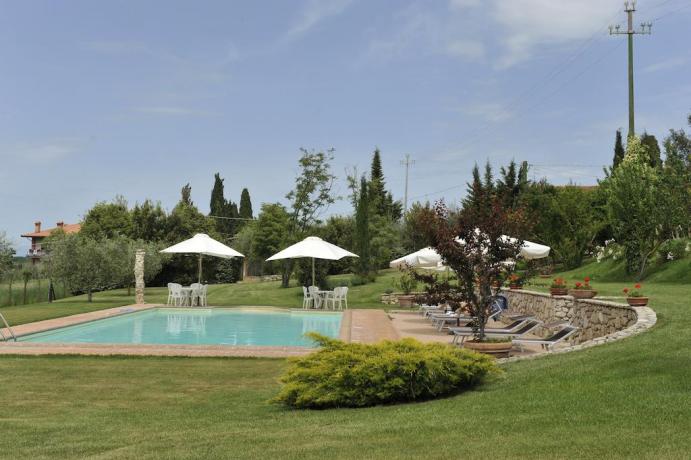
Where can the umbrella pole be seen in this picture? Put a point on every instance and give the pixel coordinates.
(313, 277)
(200, 269)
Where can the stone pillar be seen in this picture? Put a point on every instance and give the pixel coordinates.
(139, 276)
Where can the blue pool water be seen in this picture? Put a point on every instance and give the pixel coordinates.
(195, 326)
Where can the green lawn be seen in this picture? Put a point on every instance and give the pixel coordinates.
(629, 399)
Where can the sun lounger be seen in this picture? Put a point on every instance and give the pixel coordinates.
(442, 321)
(527, 326)
(565, 332)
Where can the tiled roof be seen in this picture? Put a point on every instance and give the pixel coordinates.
(67, 228)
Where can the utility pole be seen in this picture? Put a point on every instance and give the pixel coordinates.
(629, 8)
(407, 163)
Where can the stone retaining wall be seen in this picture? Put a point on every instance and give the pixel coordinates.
(392, 299)
(595, 318)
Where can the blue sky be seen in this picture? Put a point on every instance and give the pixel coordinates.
(140, 97)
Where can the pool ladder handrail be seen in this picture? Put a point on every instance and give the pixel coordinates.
(7, 325)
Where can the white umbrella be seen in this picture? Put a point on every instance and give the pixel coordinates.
(203, 245)
(429, 258)
(425, 257)
(314, 248)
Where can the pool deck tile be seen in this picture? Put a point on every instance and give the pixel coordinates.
(371, 326)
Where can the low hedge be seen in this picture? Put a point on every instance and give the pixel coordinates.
(343, 374)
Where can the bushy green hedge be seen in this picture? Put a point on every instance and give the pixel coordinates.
(358, 375)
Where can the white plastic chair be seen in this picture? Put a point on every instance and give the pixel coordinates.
(195, 294)
(176, 295)
(307, 299)
(170, 293)
(204, 289)
(344, 297)
(314, 293)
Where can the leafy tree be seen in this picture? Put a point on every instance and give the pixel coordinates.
(149, 221)
(270, 231)
(311, 196)
(384, 242)
(339, 231)
(414, 235)
(479, 261)
(108, 220)
(313, 189)
(185, 220)
(619, 151)
(85, 264)
(637, 210)
(27, 274)
(7, 253)
(361, 237)
(245, 205)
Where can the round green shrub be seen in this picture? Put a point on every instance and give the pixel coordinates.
(343, 374)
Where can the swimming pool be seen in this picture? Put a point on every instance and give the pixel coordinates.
(195, 326)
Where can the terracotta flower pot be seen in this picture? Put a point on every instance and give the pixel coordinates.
(514, 286)
(498, 349)
(406, 300)
(558, 291)
(637, 301)
(582, 293)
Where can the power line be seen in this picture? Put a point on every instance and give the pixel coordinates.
(545, 81)
(231, 218)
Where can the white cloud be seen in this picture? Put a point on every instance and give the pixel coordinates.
(528, 24)
(172, 111)
(46, 151)
(469, 49)
(314, 12)
(667, 64)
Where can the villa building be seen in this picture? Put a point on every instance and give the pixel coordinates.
(38, 235)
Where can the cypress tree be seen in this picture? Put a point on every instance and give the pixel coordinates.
(653, 148)
(245, 204)
(377, 171)
(186, 195)
(218, 201)
(380, 199)
(619, 151)
(362, 240)
(474, 190)
(222, 209)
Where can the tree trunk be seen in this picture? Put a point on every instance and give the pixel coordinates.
(24, 300)
(89, 296)
(287, 271)
(129, 290)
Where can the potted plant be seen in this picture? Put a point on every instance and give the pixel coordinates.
(583, 290)
(558, 287)
(515, 281)
(635, 297)
(407, 284)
